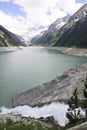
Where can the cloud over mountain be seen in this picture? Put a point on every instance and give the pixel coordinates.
(38, 13)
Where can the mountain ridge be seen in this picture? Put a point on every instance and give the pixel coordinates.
(8, 39)
(72, 34)
(51, 32)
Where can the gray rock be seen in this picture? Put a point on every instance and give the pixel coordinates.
(82, 126)
(58, 89)
(18, 120)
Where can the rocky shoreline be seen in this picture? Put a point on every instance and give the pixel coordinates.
(71, 51)
(58, 89)
(9, 49)
(66, 50)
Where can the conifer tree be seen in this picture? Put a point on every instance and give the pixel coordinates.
(73, 112)
(85, 89)
(73, 99)
(85, 98)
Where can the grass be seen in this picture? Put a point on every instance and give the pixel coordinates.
(35, 125)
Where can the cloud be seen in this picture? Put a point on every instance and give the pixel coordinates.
(69, 6)
(36, 9)
(37, 12)
(15, 23)
(5, 0)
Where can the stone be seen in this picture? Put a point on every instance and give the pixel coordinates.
(82, 126)
(58, 89)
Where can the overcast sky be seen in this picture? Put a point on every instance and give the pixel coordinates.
(18, 15)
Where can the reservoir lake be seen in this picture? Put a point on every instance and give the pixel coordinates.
(23, 69)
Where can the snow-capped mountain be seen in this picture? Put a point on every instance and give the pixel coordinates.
(74, 32)
(50, 34)
(68, 31)
(31, 32)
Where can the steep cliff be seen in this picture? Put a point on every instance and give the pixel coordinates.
(74, 32)
(49, 36)
(8, 39)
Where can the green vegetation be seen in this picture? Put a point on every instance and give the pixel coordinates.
(73, 113)
(85, 99)
(9, 122)
(51, 41)
(85, 89)
(34, 125)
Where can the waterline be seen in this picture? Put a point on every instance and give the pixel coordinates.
(29, 67)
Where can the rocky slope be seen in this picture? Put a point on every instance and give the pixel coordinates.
(49, 36)
(8, 39)
(47, 123)
(82, 126)
(74, 32)
(58, 89)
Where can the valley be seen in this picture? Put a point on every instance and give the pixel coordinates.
(40, 69)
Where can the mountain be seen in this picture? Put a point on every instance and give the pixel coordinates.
(9, 39)
(68, 31)
(49, 36)
(74, 32)
(32, 32)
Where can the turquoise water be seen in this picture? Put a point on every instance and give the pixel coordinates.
(26, 68)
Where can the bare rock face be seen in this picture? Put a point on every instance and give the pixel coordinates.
(68, 31)
(47, 36)
(9, 39)
(74, 32)
(58, 89)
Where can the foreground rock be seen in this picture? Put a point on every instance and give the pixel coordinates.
(58, 89)
(82, 126)
(48, 122)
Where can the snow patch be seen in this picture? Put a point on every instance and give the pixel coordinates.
(58, 110)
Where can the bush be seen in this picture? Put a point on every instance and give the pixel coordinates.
(9, 121)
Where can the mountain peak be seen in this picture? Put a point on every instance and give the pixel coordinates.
(59, 23)
(80, 14)
(51, 32)
(74, 32)
(68, 31)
